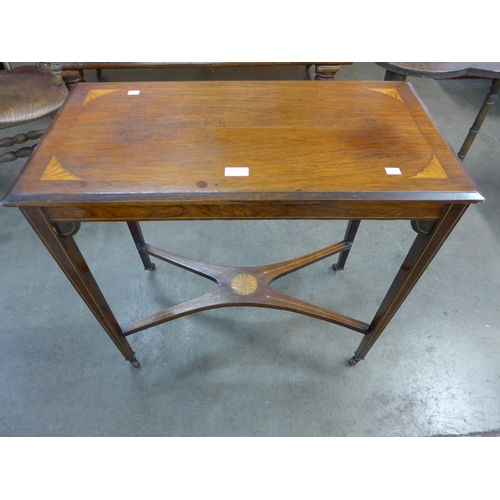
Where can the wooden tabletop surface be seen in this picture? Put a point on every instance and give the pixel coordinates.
(300, 140)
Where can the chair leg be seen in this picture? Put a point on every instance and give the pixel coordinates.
(15, 155)
(19, 139)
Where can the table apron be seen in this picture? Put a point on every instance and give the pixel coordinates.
(329, 210)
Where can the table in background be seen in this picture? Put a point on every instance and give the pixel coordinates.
(230, 150)
(442, 70)
(73, 71)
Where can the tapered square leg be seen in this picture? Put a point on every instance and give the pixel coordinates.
(427, 242)
(350, 234)
(136, 232)
(66, 253)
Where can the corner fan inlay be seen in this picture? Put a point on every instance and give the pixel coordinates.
(94, 94)
(390, 92)
(433, 170)
(56, 172)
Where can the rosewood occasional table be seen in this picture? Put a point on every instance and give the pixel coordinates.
(242, 150)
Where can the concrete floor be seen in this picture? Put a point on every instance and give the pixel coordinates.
(258, 372)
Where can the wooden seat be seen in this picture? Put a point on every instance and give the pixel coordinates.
(28, 93)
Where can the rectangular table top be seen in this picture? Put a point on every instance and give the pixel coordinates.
(242, 140)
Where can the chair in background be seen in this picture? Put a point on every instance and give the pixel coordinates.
(28, 93)
(443, 70)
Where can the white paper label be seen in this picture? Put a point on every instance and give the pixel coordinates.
(392, 171)
(133, 92)
(236, 171)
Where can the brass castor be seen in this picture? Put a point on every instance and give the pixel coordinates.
(354, 360)
(134, 362)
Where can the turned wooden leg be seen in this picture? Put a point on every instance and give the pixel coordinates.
(19, 139)
(426, 244)
(474, 130)
(72, 77)
(136, 232)
(15, 155)
(324, 72)
(64, 250)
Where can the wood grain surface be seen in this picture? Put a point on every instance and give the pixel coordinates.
(299, 140)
